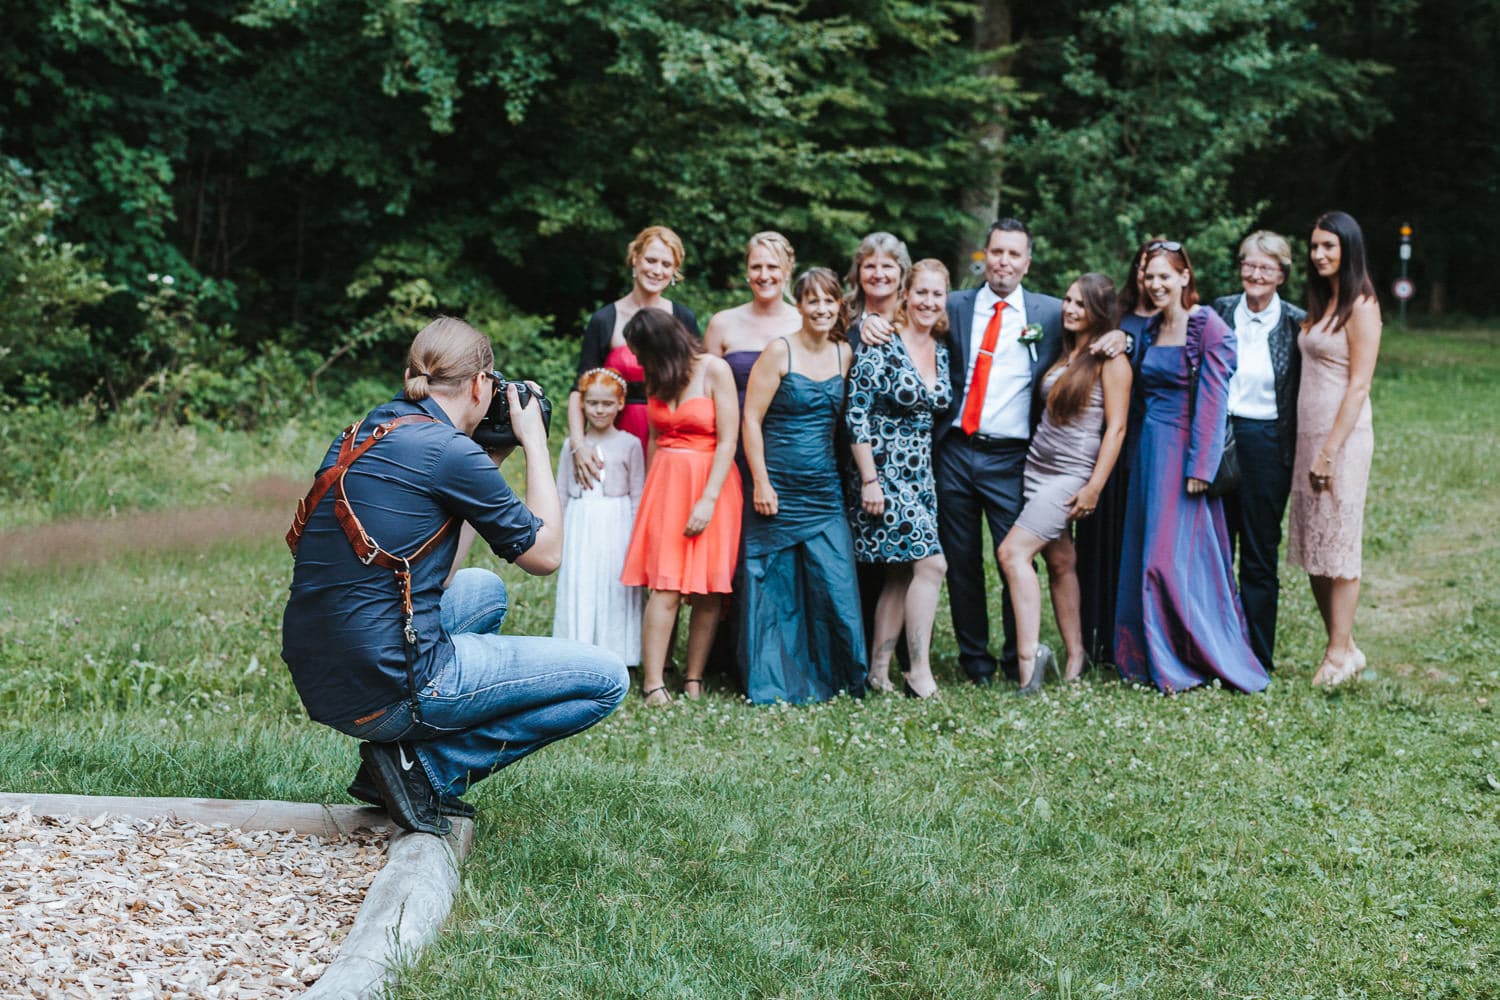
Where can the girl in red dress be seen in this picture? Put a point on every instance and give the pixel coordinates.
(687, 529)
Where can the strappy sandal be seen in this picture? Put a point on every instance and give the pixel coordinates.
(693, 680)
(659, 689)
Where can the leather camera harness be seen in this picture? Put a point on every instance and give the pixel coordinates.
(366, 549)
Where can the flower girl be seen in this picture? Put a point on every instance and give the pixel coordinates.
(592, 604)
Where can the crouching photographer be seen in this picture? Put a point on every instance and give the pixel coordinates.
(385, 641)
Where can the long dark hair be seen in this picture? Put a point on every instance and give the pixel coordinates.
(1070, 393)
(665, 350)
(1129, 294)
(1354, 275)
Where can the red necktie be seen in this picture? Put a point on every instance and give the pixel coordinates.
(974, 399)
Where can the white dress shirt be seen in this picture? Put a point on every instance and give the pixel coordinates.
(1252, 388)
(1007, 397)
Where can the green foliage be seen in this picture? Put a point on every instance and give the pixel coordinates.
(324, 176)
(1157, 103)
(44, 283)
(318, 178)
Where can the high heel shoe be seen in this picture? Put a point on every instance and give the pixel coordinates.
(911, 692)
(1044, 661)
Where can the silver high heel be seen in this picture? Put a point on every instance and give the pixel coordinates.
(1045, 661)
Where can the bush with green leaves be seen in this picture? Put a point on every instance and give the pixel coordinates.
(45, 281)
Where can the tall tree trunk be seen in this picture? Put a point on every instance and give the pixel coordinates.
(992, 35)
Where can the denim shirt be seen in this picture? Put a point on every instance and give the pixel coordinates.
(341, 632)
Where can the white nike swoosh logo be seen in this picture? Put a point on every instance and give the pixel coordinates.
(405, 764)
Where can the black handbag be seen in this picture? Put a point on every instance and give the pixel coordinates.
(1227, 479)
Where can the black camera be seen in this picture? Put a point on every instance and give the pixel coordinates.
(495, 431)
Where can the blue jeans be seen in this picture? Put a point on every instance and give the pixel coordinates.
(500, 697)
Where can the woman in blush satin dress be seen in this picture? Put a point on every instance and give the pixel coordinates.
(1070, 458)
(1178, 620)
(687, 528)
(1335, 436)
(799, 628)
(655, 259)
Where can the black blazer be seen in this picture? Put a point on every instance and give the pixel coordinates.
(1043, 309)
(1286, 362)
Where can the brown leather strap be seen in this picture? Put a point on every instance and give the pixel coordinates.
(365, 547)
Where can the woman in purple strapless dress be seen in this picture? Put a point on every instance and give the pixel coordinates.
(738, 335)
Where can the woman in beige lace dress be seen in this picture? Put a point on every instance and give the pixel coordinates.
(1339, 342)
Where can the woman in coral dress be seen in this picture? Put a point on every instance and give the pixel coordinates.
(687, 529)
(655, 259)
(1335, 438)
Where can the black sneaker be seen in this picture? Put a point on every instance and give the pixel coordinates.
(404, 789)
(363, 788)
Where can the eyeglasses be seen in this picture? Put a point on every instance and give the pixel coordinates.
(1170, 246)
(1260, 270)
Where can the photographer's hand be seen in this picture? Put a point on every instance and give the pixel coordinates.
(541, 488)
(526, 420)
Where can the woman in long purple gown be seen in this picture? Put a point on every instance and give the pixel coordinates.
(1178, 620)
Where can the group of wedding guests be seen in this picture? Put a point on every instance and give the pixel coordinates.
(808, 472)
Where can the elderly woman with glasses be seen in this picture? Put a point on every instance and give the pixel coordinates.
(1178, 620)
(1263, 410)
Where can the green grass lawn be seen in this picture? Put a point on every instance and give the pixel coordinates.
(1100, 841)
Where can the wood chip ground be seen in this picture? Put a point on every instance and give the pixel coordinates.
(153, 908)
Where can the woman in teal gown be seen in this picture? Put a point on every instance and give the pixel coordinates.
(799, 626)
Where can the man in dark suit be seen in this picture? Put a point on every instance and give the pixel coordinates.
(1263, 409)
(979, 446)
(996, 361)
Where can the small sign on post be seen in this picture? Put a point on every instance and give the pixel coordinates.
(1403, 287)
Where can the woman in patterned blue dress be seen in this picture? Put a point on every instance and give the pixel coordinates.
(895, 390)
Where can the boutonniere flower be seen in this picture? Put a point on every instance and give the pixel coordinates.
(1031, 336)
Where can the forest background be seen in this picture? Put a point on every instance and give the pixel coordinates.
(228, 210)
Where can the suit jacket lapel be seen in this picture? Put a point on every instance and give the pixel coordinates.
(1033, 315)
(958, 354)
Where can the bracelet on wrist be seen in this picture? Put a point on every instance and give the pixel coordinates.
(870, 482)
